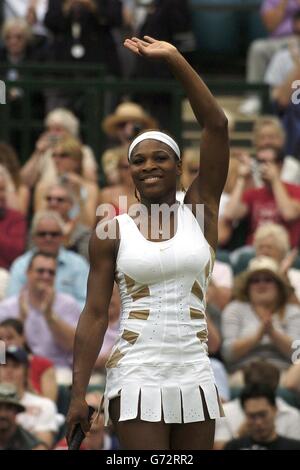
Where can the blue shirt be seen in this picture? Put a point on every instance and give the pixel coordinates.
(71, 274)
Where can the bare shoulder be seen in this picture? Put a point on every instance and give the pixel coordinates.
(105, 238)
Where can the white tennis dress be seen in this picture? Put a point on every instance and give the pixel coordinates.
(160, 360)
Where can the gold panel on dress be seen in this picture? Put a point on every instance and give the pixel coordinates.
(136, 291)
(114, 359)
(130, 336)
(139, 314)
(202, 335)
(196, 314)
(197, 291)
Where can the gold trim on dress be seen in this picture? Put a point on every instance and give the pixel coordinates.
(139, 314)
(130, 336)
(202, 335)
(197, 291)
(114, 359)
(196, 314)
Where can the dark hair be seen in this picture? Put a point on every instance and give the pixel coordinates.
(44, 255)
(261, 372)
(14, 323)
(18, 326)
(279, 153)
(258, 391)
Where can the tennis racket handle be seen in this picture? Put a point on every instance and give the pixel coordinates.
(79, 435)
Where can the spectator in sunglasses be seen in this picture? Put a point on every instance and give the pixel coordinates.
(49, 317)
(47, 236)
(260, 322)
(276, 201)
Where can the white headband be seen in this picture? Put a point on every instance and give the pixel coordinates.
(155, 135)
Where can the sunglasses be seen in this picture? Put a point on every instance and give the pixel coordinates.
(61, 155)
(55, 199)
(260, 279)
(41, 271)
(43, 234)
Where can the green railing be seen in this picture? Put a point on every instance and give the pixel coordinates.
(37, 78)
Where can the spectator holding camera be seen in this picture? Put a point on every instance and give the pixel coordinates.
(275, 201)
(59, 123)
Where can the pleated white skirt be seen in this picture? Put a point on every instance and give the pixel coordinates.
(170, 392)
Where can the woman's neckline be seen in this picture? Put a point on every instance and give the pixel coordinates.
(162, 242)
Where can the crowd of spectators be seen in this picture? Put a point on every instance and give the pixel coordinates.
(48, 210)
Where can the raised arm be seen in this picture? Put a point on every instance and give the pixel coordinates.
(208, 185)
(91, 327)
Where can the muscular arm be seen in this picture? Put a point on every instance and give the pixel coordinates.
(94, 318)
(208, 185)
(273, 17)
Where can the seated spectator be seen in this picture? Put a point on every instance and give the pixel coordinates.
(18, 49)
(18, 195)
(40, 416)
(260, 323)
(259, 405)
(287, 420)
(72, 269)
(50, 318)
(276, 201)
(277, 17)
(76, 235)
(33, 11)
(4, 279)
(59, 123)
(68, 157)
(273, 240)
(269, 132)
(283, 70)
(13, 436)
(82, 31)
(42, 378)
(12, 229)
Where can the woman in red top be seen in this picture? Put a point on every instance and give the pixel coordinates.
(41, 370)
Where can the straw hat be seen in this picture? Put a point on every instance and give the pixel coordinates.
(127, 112)
(267, 265)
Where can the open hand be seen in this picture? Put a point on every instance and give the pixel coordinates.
(150, 47)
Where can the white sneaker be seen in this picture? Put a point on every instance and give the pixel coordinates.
(251, 105)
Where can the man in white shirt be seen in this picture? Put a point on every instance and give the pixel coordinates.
(40, 417)
(287, 421)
